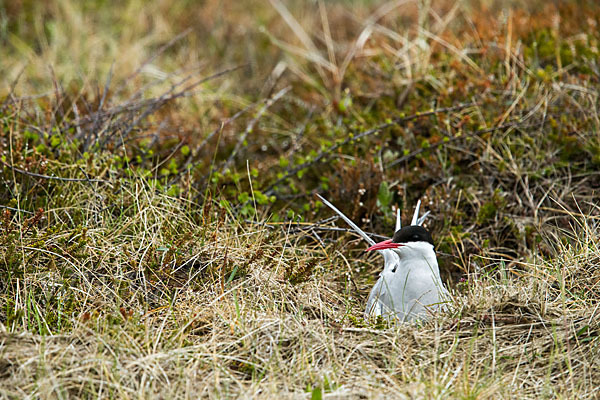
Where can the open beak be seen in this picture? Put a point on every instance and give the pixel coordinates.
(386, 244)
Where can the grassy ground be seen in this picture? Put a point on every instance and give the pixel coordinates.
(160, 234)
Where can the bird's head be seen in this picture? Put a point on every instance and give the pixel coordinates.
(409, 239)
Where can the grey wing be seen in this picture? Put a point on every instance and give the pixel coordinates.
(376, 302)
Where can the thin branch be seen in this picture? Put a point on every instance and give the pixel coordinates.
(58, 178)
(337, 229)
(16, 209)
(369, 132)
(12, 88)
(96, 125)
(453, 139)
(223, 124)
(253, 122)
(298, 227)
(153, 56)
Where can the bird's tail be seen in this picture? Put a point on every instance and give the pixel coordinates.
(416, 220)
(348, 221)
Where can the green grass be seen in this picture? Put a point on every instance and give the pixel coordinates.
(160, 236)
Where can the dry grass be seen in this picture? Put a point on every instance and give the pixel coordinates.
(180, 252)
(199, 331)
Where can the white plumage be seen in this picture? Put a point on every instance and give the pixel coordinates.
(409, 287)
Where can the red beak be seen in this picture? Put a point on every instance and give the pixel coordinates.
(386, 244)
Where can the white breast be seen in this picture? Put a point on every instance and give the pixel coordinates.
(409, 288)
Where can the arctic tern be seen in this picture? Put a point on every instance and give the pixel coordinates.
(409, 288)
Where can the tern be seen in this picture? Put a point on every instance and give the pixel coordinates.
(409, 288)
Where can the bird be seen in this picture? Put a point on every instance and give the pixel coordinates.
(409, 288)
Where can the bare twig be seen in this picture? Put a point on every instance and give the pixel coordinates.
(299, 227)
(453, 139)
(154, 55)
(58, 178)
(96, 124)
(16, 209)
(331, 149)
(11, 91)
(252, 123)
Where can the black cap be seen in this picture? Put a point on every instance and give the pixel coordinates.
(412, 233)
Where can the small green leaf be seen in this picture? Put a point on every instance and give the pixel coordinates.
(384, 196)
(243, 197)
(316, 394)
(232, 275)
(260, 197)
(173, 191)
